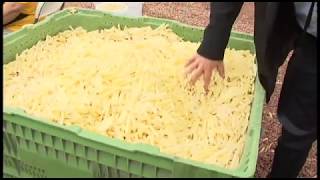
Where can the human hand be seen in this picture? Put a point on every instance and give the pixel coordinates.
(88, 5)
(199, 65)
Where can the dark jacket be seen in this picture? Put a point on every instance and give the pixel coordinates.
(274, 34)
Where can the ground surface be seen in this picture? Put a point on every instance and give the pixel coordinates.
(197, 13)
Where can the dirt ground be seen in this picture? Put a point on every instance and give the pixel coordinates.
(197, 13)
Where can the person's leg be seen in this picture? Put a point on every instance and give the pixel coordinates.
(290, 154)
(297, 111)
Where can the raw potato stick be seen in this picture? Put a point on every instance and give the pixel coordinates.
(129, 84)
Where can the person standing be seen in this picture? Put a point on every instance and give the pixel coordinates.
(279, 28)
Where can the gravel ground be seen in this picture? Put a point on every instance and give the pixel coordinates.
(197, 13)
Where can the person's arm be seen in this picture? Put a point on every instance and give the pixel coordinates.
(11, 10)
(216, 35)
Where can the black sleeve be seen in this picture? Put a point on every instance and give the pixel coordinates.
(216, 34)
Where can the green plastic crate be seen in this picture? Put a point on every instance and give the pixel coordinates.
(35, 147)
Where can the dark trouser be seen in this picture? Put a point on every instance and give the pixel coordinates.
(297, 110)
